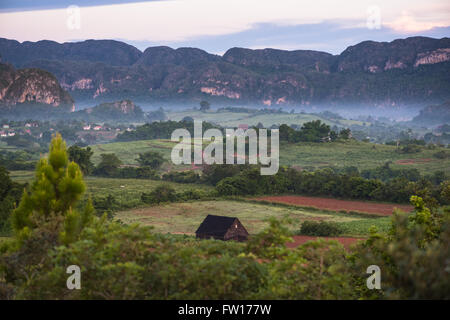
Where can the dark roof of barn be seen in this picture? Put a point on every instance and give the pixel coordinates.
(215, 225)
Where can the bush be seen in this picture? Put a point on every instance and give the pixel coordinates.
(162, 193)
(151, 159)
(195, 195)
(182, 176)
(106, 205)
(413, 256)
(136, 173)
(320, 229)
(410, 148)
(108, 166)
(10, 194)
(441, 155)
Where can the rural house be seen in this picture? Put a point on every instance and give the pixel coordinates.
(222, 228)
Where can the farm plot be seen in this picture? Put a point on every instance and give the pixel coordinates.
(184, 218)
(301, 155)
(383, 209)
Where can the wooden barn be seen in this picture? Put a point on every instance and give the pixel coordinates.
(222, 228)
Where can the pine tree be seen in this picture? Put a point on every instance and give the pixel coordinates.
(52, 198)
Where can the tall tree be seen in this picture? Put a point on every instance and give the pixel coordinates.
(109, 165)
(53, 196)
(10, 193)
(82, 157)
(150, 159)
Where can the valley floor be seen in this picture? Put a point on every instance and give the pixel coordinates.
(184, 218)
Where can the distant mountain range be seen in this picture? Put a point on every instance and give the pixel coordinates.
(415, 71)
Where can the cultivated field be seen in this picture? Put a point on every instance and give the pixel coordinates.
(4, 147)
(234, 119)
(383, 209)
(22, 176)
(128, 191)
(185, 217)
(303, 155)
(128, 151)
(362, 155)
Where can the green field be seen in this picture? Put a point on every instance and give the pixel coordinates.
(128, 151)
(126, 191)
(186, 217)
(234, 119)
(22, 176)
(363, 155)
(4, 147)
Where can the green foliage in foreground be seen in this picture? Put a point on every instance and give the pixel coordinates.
(10, 193)
(130, 262)
(413, 256)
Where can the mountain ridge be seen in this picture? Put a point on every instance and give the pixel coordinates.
(411, 70)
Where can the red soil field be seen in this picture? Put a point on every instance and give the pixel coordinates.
(383, 209)
(299, 240)
(412, 161)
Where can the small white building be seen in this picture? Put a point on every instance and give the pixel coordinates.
(85, 128)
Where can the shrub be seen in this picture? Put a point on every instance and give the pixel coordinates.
(106, 205)
(321, 229)
(413, 256)
(150, 159)
(182, 176)
(192, 195)
(136, 173)
(410, 148)
(162, 193)
(441, 154)
(108, 166)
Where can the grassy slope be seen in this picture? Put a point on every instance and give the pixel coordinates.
(186, 217)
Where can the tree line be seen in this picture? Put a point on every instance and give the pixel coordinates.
(379, 184)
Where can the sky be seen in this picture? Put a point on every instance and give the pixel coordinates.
(217, 25)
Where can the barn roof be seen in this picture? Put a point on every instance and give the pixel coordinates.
(216, 225)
